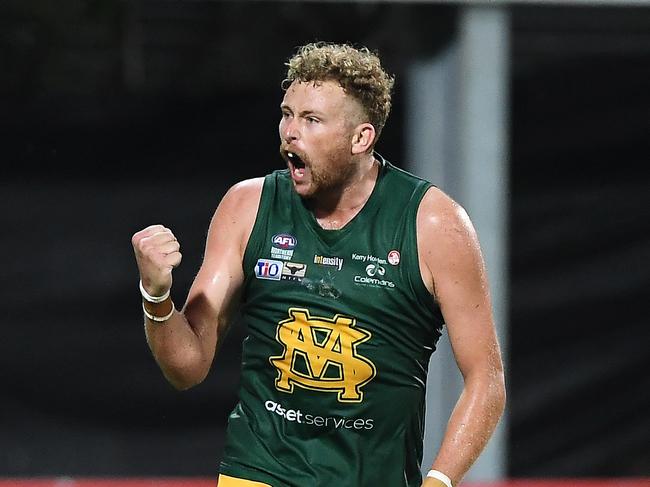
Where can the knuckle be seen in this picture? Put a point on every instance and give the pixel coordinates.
(144, 247)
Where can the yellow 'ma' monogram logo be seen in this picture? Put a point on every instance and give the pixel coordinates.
(321, 354)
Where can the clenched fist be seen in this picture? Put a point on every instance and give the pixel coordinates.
(157, 252)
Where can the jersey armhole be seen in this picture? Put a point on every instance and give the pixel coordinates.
(421, 291)
(255, 243)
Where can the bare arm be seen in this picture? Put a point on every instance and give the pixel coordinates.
(454, 271)
(184, 346)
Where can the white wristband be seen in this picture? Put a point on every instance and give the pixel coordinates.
(436, 474)
(158, 319)
(150, 298)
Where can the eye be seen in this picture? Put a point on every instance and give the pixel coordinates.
(312, 120)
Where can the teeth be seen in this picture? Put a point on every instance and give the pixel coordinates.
(298, 165)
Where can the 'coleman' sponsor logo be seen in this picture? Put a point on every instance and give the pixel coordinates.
(373, 269)
(371, 281)
(374, 275)
(329, 261)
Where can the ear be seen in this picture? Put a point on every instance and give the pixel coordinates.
(363, 138)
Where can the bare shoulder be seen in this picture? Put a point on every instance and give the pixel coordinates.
(235, 215)
(441, 217)
(241, 199)
(246, 192)
(446, 237)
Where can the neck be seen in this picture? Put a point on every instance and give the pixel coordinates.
(334, 209)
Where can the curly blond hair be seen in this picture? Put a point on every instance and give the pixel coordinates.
(357, 70)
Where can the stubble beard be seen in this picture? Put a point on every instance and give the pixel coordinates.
(328, 178)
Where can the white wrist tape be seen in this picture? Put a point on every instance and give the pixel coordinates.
(436, 474)
(158, 319)
(150, 298)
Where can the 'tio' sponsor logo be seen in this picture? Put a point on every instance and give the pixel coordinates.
(268, 269)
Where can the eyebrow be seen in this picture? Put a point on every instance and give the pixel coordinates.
(284, 106)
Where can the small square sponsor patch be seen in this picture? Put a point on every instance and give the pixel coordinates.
(294, 271)
(283, 245)
(269, 269)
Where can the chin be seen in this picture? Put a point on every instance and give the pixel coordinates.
(305, 191)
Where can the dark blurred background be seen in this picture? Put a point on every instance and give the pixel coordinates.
(116, 115)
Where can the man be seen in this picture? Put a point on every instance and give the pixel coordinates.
(345, 269)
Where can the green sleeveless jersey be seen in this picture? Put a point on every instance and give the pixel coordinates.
(341, 328)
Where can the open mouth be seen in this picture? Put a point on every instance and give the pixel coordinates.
(296, 161)
(296, 165)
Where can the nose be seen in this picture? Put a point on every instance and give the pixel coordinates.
(288, 130)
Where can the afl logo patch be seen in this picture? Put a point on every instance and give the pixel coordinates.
(284, 241)
(393, 257)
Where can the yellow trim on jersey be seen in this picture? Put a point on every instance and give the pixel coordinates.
(226, 481)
